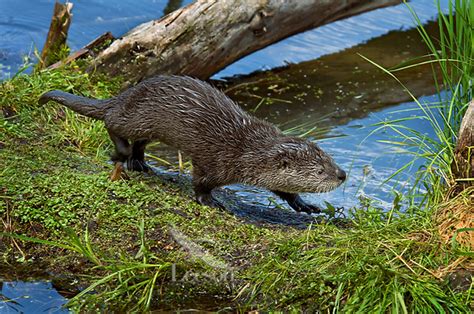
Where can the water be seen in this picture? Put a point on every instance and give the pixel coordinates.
(339, 93)
(334, 37)
(24, 25)
(30, 297)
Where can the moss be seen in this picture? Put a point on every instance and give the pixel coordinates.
(54, 176)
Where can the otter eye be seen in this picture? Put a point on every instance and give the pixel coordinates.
(320, 171)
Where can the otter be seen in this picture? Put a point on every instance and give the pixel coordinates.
(226, 145)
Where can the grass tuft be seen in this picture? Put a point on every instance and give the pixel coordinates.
(370, 268)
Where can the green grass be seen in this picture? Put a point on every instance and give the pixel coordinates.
(371, 268)
(19, 97)
(47, 191)
(122, 238)
(54, 177)
(127, 282)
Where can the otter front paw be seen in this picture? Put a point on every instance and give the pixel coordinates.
(297, 203)
(305, 207)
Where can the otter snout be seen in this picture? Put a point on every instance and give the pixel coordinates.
(341, 174)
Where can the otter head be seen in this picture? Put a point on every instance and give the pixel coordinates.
(298, 165)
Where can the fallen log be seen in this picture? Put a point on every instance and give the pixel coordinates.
(57, 34)
(206, 36)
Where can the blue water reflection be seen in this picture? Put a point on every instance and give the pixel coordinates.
(21, 33)
(334, 37)
(30, 297)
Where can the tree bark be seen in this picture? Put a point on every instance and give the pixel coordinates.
(206, 36)
(57, 34)
(463, 165)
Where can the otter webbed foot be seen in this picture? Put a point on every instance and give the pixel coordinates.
(202, 188)
(208, 200)
(137, 165)
(297, 203)
(301, 206)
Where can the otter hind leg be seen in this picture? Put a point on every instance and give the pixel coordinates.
(203, 188)
(121, 154)
(297, 203)
(204, 197)
(136, 161)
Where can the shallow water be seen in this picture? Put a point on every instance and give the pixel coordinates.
(24, 24)
(342, 108)
(30, 297)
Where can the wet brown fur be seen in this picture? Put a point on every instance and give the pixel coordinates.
(226, 144)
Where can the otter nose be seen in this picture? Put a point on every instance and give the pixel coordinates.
(341, 174)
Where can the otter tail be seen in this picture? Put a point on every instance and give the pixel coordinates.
(93, 108)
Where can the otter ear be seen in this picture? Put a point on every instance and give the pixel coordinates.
(283, 162)
(285, 153)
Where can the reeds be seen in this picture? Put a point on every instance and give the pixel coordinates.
(452, 59)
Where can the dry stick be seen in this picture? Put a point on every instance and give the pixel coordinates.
(57, 33)
(8, 227)
(88, 50)
(442, 272)
(117, 171)
(437, 276)
(180, 162)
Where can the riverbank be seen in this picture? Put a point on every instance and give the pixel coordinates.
(144, 242)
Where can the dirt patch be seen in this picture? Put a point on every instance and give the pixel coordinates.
(455, 220)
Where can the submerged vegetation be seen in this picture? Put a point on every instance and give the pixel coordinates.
(143, 243)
